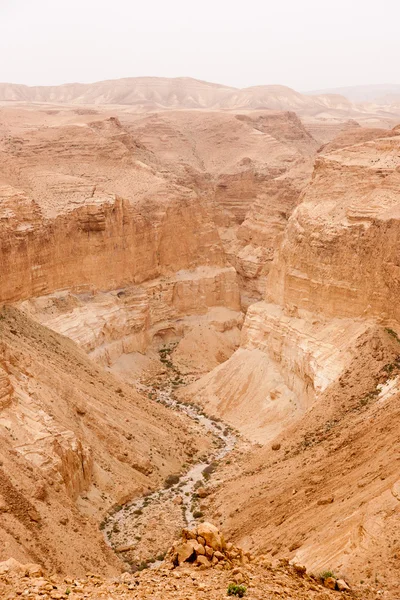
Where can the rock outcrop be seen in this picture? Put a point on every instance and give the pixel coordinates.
(86, 190)
(205, 547)
(110, 247)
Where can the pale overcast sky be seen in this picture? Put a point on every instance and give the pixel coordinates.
(305, 44)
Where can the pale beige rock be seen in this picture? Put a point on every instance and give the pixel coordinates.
(203, 561)
(211, 535)
(185, 551)
(11, 566)
(342, 586)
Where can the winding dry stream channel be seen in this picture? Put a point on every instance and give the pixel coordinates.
(128, 517)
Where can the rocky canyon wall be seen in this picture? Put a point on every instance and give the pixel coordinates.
(254, 166)
(339, 255)
(332, 278)
(316, 377)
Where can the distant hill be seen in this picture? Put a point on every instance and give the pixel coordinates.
(382, 93)
(144, 94)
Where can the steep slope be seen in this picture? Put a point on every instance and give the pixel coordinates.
(75, 441)
(327, 493)
(333, 277)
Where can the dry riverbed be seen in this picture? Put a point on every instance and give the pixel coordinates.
(141, 531)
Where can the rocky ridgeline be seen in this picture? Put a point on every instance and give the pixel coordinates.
(205, 546)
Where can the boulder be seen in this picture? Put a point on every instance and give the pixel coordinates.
(203, 562)
(325, 501)
(11, 566)
(185, 551)
(33, 570)
(200, 549)
(212, 536)
(300, 569)
(330, 583)
(124, 548)
(202, 492)
(189, 534)
(342, 586)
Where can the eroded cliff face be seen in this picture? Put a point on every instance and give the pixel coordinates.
(339, 255)
(284, 363)
(75, 200)
(145, 317)
(144, 200)
(253, 165)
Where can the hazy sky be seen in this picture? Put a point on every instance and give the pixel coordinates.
(305, 44)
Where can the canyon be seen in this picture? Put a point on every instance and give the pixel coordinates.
(235, 251)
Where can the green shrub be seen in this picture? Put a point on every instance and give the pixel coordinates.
(325, 574)
(236, 590)
(171, 480)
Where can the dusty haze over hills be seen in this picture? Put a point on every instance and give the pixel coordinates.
(306, 46)
(145, 94)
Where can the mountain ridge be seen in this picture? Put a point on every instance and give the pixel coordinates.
(159, 93)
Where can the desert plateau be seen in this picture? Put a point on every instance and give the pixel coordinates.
(199, 341)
